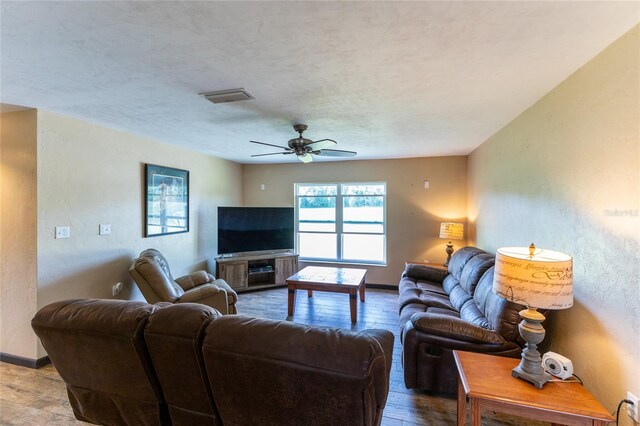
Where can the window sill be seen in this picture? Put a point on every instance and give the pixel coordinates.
(335, 262)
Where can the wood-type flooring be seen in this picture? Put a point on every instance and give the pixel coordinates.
(38, 397)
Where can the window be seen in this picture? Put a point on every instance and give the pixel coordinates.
(341, 222)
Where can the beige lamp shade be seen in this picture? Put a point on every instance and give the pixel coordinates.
(451, 231)
(543, 279)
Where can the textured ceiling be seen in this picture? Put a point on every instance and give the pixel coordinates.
(386, 79)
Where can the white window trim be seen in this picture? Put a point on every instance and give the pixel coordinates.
(339, 224)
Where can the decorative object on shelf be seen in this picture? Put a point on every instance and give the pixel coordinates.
(536, 278)
(166, 201)
(451, 231)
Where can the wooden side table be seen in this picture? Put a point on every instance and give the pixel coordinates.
(486, 380)
(435, 265)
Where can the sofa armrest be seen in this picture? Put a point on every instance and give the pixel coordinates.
(385, 338)
(201, 292)
(194, 279)
(425, 272)
(210, 295)
(454, 328)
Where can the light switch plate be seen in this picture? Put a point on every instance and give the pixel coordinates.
(63, 232)
(105, 229)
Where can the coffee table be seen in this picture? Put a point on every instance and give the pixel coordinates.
(335, 280)
(487, 381)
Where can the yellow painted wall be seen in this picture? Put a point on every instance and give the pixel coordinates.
(18, 239)
(565, 174)
(88, 175)
(413, 213)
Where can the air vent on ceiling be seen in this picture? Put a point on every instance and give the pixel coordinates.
(224, 96)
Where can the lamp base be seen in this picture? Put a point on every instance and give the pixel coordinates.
(449, 251)
(538, 380)
(530, 367)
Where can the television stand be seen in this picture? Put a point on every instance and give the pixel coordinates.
(260, 271)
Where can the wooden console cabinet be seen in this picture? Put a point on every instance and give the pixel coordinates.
(257, 271)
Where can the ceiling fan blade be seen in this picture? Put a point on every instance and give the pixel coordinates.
(321, 144)
(305, 158)
(270, 144)
(271, 153)
(337, 153)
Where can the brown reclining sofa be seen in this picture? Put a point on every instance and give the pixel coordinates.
(132, 363)
(442, 311)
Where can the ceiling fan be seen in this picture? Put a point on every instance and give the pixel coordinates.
(305, 148)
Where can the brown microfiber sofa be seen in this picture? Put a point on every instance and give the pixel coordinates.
(132, 363)
(442, 311)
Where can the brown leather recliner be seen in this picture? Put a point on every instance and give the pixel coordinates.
(195, 366)
(151, 272)
(98, 348)
(291, 374)
(442, 311)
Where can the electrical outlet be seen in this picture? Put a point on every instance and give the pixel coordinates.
(632, 410)
(104, 229)
(116, 289)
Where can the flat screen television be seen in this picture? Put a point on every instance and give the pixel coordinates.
(246, 229)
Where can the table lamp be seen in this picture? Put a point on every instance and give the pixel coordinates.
(451, 231)
(535, 278)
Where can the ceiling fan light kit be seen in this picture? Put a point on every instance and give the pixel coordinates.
(305, 148)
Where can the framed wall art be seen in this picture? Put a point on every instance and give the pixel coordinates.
(166, 201)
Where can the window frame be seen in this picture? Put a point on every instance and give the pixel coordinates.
(339, 222)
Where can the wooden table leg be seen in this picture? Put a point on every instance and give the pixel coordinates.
(474, 411)
(292, 300)
(362, 292)
(353, 305)
(462, 405)
(309, 293)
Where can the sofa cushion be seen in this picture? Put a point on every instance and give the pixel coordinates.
(174, 337)
(443, 311)
(431, 287)
(473, 270)
(471, 274)
(411, 284)
(470, 313)
(450, 283)
(458, 297)
(501, 315)
(425, 298)
(460, 258)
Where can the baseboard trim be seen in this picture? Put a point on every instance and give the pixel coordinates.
(383, 286)
(24, 362)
